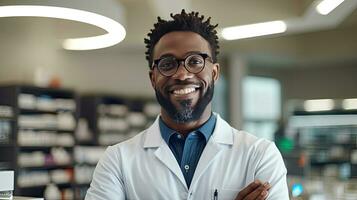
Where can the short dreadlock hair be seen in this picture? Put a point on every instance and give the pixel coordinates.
(182, 22)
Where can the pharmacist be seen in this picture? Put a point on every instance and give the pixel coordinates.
(189, 152)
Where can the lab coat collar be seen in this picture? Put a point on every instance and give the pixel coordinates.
(153, 137)
(221, 134)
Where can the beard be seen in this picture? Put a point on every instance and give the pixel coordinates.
(186, 113)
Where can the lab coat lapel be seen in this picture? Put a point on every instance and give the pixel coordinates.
(153, 139)
(164, 154)
(221, 137)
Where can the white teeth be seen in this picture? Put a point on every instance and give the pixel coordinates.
(184, 91)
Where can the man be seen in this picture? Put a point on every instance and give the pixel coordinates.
(189, 152)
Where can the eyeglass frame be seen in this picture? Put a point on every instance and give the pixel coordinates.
(179, 61)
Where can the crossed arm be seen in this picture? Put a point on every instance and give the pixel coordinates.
(254, 191)
(270, 168)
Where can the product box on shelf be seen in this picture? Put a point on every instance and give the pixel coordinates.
(6, 184)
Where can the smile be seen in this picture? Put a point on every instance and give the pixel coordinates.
(183, 89)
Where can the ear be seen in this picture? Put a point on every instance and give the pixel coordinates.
(152, 78)
(216, 70)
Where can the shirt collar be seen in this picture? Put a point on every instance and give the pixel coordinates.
(166, 132)
(206, 129)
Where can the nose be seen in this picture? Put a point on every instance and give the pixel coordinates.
(182, 73)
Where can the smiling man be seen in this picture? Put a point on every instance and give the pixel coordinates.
(189, 152)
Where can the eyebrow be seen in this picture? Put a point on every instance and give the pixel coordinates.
(187, 54)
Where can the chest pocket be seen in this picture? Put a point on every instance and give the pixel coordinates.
(225, 194)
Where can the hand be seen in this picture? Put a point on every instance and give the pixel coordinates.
(254, 191)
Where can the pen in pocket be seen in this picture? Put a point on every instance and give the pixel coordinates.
(215, 195)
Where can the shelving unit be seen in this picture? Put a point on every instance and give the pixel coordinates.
(41, 139)
(106, 120)
(6, 136)
(320, 149)
(120, 117)
(327, 140)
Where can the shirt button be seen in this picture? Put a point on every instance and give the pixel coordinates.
(179, 136)
(187, 167)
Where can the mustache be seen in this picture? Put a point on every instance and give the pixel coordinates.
(179, 82)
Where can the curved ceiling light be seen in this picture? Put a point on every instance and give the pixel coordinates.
(115, 31)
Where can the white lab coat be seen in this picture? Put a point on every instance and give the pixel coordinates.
(145, 168)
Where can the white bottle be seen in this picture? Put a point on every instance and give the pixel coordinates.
(52, 192)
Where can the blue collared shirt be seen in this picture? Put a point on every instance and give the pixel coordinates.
(187, 151)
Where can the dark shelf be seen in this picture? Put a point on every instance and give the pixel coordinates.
(86, 143)
(329, 162)
(35, 111)
(7, 118)
(6, 145)
(43, 147)
(46, 167)
(60, 185)
(38, 91)
(329, 145)
(47, 129)
(82, 184)
(330, 112)
(86, 164)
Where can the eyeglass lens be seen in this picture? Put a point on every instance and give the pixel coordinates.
(169, 65)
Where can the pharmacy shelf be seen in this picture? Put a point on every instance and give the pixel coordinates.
(111, 119)
(60, 185)
(47, 129)
(39, 102)
(7, 144)
(34, 111)
(47, 167)
(7, 118)
(37, 147)
(327, 140)
(329, 162)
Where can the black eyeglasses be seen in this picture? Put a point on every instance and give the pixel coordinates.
(193, 63)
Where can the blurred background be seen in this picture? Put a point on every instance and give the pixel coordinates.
(60, 108)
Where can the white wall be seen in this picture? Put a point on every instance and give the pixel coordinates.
(27, 46)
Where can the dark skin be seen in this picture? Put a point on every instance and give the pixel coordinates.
(181, 44)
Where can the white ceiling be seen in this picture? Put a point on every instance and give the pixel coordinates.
(323, 45)
(320, 41)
